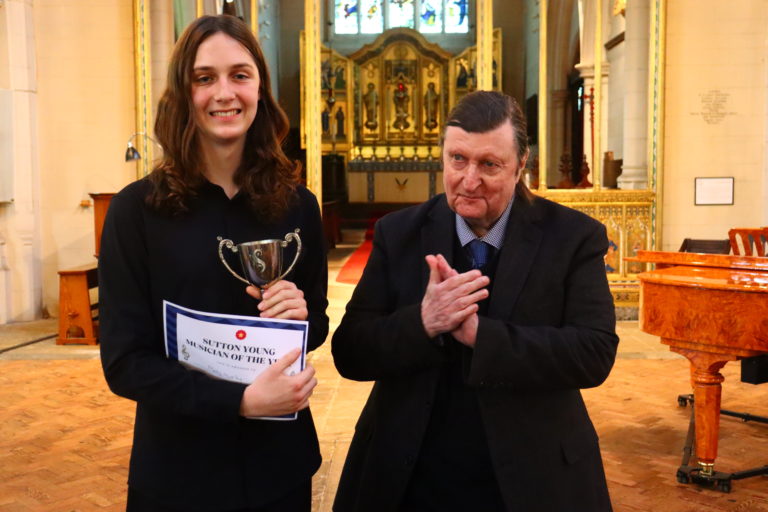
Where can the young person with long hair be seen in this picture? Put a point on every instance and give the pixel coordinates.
(223, 174)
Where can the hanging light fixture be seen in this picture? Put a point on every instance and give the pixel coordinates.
(131, 153)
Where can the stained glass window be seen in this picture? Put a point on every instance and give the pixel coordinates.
(346, 17)
(401, 13)
(426, 16)
(431, 17)
(371, 17)
(456, 16)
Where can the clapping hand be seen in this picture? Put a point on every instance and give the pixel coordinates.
(450, 301)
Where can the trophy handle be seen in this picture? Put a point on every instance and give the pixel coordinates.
(230, 245)
(291, 236)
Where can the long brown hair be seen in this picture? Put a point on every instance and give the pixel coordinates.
(483, 111)
(265, 174)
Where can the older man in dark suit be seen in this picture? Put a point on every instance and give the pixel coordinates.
(480, 315)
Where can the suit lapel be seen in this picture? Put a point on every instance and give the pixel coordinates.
(521, 243)
(437, 236)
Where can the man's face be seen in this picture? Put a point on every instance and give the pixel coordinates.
(480, 172)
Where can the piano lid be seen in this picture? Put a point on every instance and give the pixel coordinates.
(703, 260)
(712, 278)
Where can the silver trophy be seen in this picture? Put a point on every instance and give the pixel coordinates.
(262, 261)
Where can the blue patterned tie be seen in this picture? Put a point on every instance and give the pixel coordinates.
(479, 253)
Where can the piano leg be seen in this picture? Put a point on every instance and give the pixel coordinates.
(706, 381)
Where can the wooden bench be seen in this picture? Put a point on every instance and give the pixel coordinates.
(78, 316)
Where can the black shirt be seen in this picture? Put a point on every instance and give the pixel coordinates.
(191, 448)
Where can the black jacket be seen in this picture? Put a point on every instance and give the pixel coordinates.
(549, 331)
(191, 449)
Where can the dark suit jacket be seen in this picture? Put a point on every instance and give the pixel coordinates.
(550, 331)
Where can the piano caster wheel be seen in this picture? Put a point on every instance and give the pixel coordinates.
(682, 402)
(683, 477)
(724, 486)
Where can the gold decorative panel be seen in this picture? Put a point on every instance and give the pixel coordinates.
(463, 70)
(336, 113)
(627, 216)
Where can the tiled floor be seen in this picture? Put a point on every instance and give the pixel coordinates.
(65, 439)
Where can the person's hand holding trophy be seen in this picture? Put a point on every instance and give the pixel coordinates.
(273, 392)
(262, 263)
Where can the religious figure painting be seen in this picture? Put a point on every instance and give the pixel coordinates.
(401, 99)
(431, 105)
(371, 105)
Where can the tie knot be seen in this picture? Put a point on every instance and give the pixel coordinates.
(479, 251)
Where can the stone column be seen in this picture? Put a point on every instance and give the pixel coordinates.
(142, 51)
(312, 99)
(634, 174)
(162, 30)
(20, 280)
(484, 45)
(587, 72)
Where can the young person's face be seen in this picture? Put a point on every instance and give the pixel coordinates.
(225, 90)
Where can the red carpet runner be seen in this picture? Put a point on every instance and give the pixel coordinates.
(353, 268)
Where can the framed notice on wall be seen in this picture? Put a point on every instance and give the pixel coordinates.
(713, 191)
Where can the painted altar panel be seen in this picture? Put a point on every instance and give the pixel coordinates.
(338, 101)
(462, 70)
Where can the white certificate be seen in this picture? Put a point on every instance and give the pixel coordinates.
(232, 347)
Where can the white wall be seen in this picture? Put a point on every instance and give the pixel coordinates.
(86, 112)
(715, 49)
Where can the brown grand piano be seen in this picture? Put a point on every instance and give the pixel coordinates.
(712, 309)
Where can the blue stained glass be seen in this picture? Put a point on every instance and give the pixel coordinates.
(456, 16)
(371, 19)
(346, 17)
(431, 16)
(401, 13)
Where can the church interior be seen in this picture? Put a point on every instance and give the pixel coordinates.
(650, 116)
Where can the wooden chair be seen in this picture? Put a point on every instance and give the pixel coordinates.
(78, 307)
(78, 319)
(748, 241)
(706, 246)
